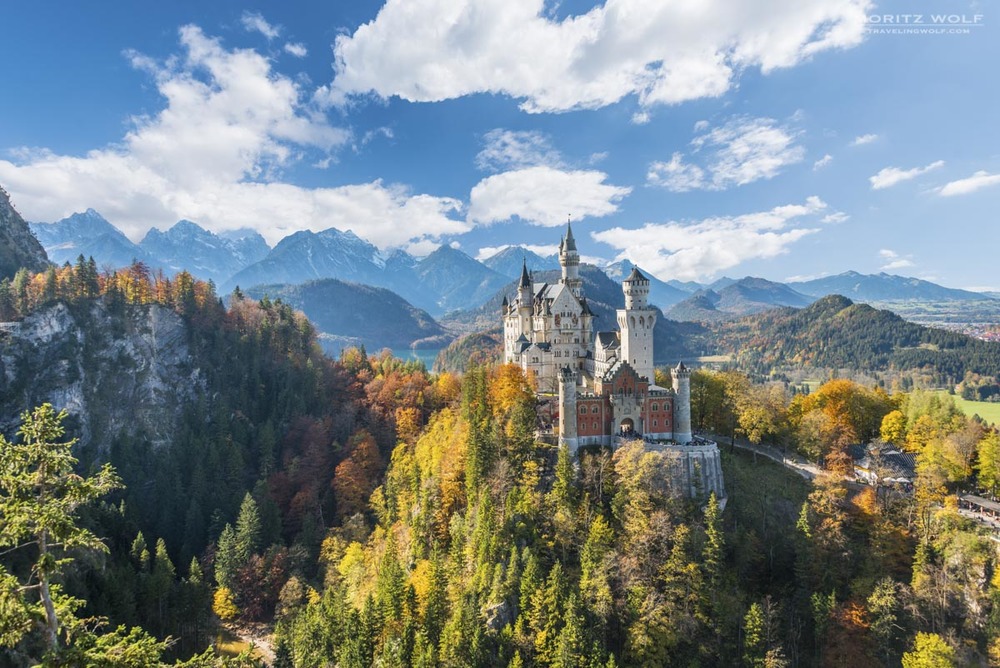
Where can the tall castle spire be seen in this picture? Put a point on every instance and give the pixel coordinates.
(569, 260)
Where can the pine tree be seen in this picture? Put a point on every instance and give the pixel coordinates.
(39, 497)
(247, 531)
(226, 560)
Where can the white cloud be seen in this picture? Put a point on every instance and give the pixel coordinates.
(510, 149)
(802, 278)
(740, 152)
(894, 260)
(254, 22)
(822, 162)
(977, 181)
(486, 252)
(661, 52)
(676, 175)
(297, 49)
(698, 250)
(543, 196)
(864, 139)
(214, 155)
(890, 176)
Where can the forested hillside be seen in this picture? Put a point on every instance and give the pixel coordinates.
(836, 333)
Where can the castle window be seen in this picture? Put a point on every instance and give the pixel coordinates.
(594, 409)
(595, 426)
(583, 409)
(654, 423)
(656, 407)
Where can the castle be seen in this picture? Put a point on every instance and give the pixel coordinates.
(605, 380)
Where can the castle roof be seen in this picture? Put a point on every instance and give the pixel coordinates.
(569, 243)
(636, 276)
(608, 339)
(681, 367)
(525, 278)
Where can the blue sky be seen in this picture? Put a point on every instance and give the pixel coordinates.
(779, 139)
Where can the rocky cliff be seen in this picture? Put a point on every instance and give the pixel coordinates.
(121, 373)
(18, 246)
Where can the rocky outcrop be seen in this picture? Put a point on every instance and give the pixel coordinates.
(18, 246)
(121, 375)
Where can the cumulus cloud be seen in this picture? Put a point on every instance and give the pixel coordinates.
(297, 49)
(660, 52)
(543, 196)
(864, 139)
(822, 162)
(255, 22)
(894, 260)
(890, 176)
(214, 154)
(511, 149)
(977, 181)
(741, 151)
(698, 250)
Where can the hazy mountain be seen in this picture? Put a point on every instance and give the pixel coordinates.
(353, 314)
(882, 287)
(661, 293)
(737, 298)
(91, 235)
(457, 280)
(508, 261)
(686, 286)
(188, 246)
(305, 256)
(18, 246)
(834, 332)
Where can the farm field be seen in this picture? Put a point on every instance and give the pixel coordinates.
(987, 410)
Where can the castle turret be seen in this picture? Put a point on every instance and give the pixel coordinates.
(682, 404)
(569, 260)
(525, 299)
(567, 409)
(636, 323)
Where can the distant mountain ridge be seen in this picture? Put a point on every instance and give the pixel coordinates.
(736, 298)
(882, 287)
(836, 333)
(188, 246)
(347, 314)
(508, 261)
(184, 246)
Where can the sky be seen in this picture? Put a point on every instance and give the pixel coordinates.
(788, 139)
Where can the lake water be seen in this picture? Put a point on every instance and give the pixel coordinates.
(425, 355)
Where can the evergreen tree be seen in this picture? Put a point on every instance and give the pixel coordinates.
(39, 497)
(248, 531)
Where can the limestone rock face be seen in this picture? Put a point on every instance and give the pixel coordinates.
(121, 376)
(18, 246)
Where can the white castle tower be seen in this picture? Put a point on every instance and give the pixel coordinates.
(635, 322)
(567, 409)
(569, 260)
(682, 404)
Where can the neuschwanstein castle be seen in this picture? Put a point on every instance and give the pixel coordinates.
(605, 381)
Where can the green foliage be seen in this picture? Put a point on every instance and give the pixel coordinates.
(929, 651)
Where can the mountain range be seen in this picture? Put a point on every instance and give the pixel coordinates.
(185, 246)
(445, 281)
(742, 297)
(350, 314)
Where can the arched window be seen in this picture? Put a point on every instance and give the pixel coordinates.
(593, 409)
(656, 407)
(583, 409)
